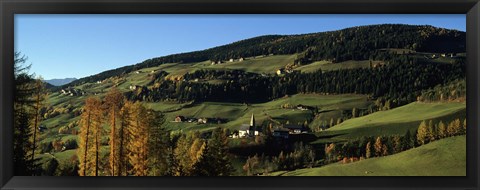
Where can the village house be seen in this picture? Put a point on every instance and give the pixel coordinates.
(202, 120)
(280, 71)
(296, 129)
(302, 107)
(179, 119)
(281, 133)
(133, 87)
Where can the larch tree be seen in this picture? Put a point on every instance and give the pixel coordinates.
(368, 150)
(39, 101)
(124, 137)
(378, 147)
(90, 124)
(138, 142)
(422, 133)
(113, 103)
(442, 130)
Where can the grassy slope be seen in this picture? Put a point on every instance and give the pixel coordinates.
(446, 157)
(393, 122)
(268, 64)
(328, 66)
(239, 114)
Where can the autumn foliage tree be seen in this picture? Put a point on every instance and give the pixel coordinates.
(112, 105)
(90, 132)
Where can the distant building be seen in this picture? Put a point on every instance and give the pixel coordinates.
(281, 133)
(296, 129)
(202, 120)
(280, 71)
(443, 55)
(241, 59)
(179, 118)
(231, 60)
(251, 130)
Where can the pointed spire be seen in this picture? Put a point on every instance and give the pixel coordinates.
(252, 121)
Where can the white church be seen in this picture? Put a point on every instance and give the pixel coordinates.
(248, 130)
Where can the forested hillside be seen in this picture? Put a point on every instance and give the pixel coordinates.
(357, 43)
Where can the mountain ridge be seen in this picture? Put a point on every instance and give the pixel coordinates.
(60, 82)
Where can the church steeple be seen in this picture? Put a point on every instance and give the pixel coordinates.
(252, 121)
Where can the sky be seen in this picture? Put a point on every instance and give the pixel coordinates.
(63, 46)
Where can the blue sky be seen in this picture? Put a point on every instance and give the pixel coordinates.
(61, 46)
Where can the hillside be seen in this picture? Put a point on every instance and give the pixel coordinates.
(392, 122)
(446, 157)
(334, 46)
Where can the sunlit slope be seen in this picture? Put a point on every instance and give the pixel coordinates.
(395, 121)
(445, 157)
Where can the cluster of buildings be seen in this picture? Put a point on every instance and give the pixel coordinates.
(204, 120)
(72, 92)
(251, 130)
(230, 60)
(434, 56)
(283, 71)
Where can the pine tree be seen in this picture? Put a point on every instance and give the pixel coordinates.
(159, 153)
(218, 146)
(22, 104)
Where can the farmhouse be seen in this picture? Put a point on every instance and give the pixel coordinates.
(280, 71)
(179, 118)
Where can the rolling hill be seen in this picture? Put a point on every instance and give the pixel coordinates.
(445, 157)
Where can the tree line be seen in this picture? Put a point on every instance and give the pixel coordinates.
(29, 99)
(369, 147)
(398, 83)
